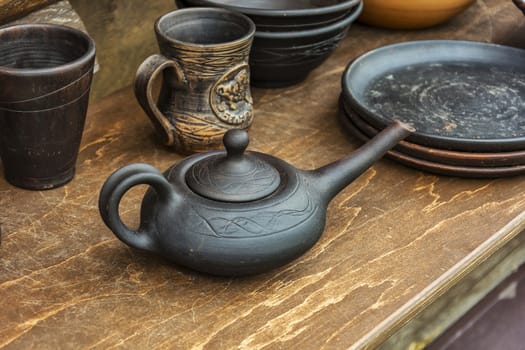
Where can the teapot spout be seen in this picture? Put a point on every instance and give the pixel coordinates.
(332, 178)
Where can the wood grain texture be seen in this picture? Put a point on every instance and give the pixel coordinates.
(66, 282)
(456, 301)
(123, 31)
(13, 9)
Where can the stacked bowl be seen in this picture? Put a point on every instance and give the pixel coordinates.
(292, 37)
(413, 14)
(465, 99)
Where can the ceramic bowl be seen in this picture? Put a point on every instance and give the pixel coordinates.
(284, 15)
(280, 59)
(410, 14)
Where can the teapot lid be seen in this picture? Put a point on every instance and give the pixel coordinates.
(235, 176)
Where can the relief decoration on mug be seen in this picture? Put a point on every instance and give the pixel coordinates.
(230, 97)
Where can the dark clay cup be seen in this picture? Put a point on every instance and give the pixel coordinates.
(45, 78)
(205, 78)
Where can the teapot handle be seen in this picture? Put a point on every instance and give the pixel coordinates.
(114, 189)
(146, 74)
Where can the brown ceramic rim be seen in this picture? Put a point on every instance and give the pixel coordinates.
(346, 21)
(442, 155)
(80, 61)
(433, 167)
(314, 11)
(204, 11)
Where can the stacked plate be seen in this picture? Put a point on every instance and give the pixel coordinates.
(465, 99)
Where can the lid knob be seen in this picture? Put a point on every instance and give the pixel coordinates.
(235, 141)
(234, 176)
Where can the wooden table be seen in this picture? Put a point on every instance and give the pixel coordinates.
(395, 239)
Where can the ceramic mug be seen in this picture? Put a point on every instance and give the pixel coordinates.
(45, 79)
(205, 88)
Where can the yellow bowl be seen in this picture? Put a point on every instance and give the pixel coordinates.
(410, 14)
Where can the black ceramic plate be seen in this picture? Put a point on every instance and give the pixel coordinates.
(474, 159)
(433, 167)
(459, 95)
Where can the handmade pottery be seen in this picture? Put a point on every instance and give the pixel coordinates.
(206, 78)
(280, 59)
(413, 14)
(459, 95)
(234, 212)
(442, 156)
(284, 15)
(435, 167)
(45, 75)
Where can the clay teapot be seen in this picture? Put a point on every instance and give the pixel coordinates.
(234, 212)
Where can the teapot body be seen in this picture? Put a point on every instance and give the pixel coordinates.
(234, 212)
(232, 239)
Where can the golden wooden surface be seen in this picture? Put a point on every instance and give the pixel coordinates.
(467, 290)
(66, 282)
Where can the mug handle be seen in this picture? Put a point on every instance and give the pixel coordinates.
(146, 74)
(114, 189)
